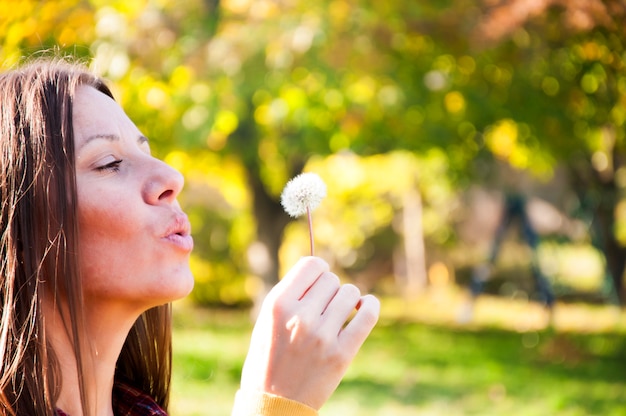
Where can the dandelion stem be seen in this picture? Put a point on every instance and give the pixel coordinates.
(308, 214)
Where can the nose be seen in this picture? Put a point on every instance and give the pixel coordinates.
(163, 184)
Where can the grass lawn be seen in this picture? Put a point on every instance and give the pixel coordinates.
(418, 361)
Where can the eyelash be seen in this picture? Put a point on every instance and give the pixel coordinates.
(113, 166)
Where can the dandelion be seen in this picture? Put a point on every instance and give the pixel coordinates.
(302, 195)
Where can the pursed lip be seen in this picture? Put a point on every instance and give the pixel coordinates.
(179, 232)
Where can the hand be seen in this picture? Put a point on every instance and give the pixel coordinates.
(301, 344)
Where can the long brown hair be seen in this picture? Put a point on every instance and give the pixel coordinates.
(39, 246)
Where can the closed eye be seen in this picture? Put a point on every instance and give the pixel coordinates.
(113, 166)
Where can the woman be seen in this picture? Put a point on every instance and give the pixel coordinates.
(94, 249)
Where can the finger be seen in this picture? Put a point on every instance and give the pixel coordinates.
(301, 277)
(341, 307)
(357, 330)
(318, 296)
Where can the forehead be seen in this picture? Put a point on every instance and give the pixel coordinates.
(95, 113)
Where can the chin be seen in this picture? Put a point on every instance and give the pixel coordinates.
(167, 287)
(170, 295)
(184, 285)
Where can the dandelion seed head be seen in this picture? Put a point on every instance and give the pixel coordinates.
(304, 191)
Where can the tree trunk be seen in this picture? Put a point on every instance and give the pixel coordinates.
(599, 196)
(271, 221)
(614, 252)
(414, 251)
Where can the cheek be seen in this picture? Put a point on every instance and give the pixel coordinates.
(110, 251)
(105, 214)
(106, 229)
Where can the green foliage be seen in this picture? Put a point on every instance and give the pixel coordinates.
(357, 221)
(32, 27)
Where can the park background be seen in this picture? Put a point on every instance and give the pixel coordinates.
(421, 117)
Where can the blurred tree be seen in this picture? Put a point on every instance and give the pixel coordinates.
(564, 67)
(265, 85)
(288, 81)
(536, 85)
(32, 27)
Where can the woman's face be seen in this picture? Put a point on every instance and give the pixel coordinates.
(134, 238)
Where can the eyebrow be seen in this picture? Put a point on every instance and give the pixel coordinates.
(112, 138)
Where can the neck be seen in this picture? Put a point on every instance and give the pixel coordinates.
(106, 330)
